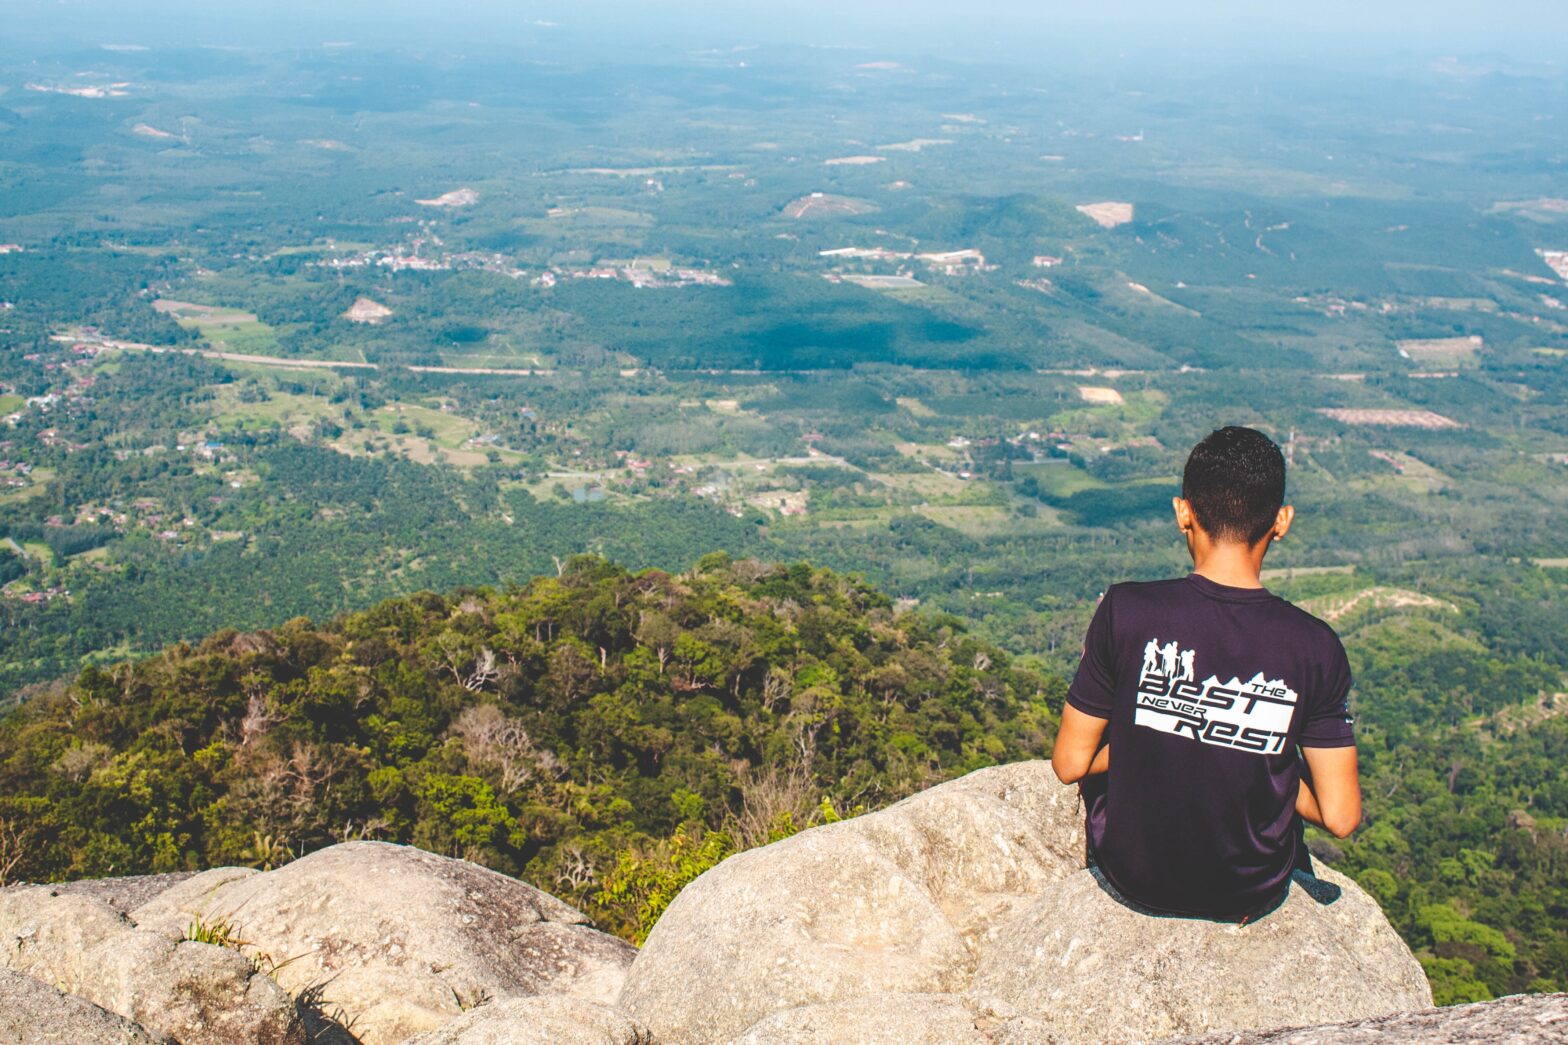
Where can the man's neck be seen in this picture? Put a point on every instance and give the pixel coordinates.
(1230, 563)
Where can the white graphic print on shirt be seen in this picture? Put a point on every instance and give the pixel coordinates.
(1247, 716)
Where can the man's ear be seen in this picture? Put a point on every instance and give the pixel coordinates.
(1185, 520)
(1282, 521)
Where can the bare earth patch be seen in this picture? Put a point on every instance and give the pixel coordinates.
(1099, 395)
(455, 198)
(1544, 206)
(853, 161)
(147, 130)
(1556, 260)
(1107, 215)
(1391, 418)
(364, 310)
(1336, 607)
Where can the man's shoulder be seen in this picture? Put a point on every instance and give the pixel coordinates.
(1321, 631)
(1164, 596)
(1145, 589)
(1125, 593)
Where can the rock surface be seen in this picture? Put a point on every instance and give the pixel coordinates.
(34, 1013)
(394, 941)
(877, 1019)
(1095, 969)
(538, 1021)
(1524, 1019)
(961, 916)
(178, 903)
(123, 894)
(896, 901)
(195, 992)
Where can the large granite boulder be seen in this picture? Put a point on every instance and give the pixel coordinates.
(880, 1019)
(538, 1021)
(34, 1013)
(896, 901)
(126, 893)
(392, 940)
(1094, 968)
(197, 993)
(1522, 1019)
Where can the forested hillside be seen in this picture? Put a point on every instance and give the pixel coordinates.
(595, 732)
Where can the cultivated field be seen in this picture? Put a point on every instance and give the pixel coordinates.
(1442, 351)
(202, 314)
(230, 328)
(884, 282)
(824, 205)
(1391, 418)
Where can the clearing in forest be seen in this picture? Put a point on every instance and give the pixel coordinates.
(232, 329)
(1442, 351)
(884, 282)
(1333, 608)
(1391, 418)
(1557, 261)
(203, 315)
(1107, 215)
(824, 205)
(980, 521)
(1100, 396)
(455, 198)
(853, 161)
(364, 310)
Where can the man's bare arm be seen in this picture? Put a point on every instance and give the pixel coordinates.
(1330, 794)
(1078, 752)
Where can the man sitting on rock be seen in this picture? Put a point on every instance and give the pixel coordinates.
(1206, 687)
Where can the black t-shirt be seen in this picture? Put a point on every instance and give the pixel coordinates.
(1209, 690)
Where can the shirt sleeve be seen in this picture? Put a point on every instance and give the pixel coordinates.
(1095, 683)
(1328, 718)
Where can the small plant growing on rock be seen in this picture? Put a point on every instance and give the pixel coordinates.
(219, 933)
(268, 852)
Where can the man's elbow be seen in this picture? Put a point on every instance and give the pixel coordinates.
(1067, 774)
(1343, 824)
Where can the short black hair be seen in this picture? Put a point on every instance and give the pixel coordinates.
(1235, 482)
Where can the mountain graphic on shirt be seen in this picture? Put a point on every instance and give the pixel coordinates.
(1250, 716)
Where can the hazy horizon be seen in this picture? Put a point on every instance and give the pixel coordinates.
(1518, 29)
